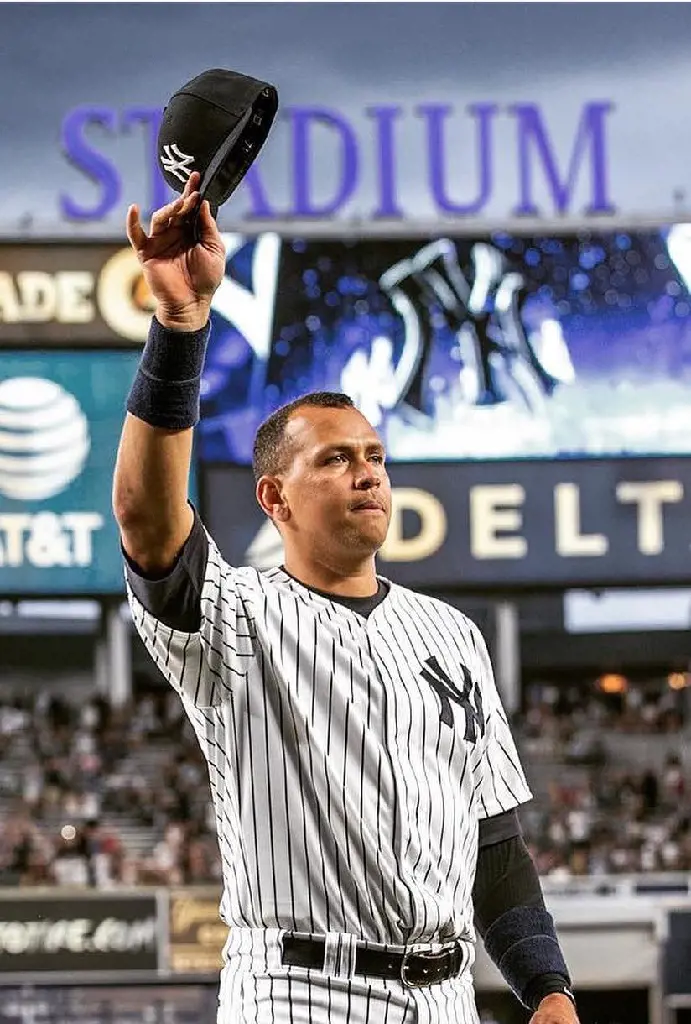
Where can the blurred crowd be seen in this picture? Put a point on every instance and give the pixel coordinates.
(617, 794)
(80, 782)
(614, 822)
(556, 719)
(96, 796)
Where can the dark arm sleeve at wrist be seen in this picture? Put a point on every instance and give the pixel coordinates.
(174, 357)
(175, 599)
(511, 917)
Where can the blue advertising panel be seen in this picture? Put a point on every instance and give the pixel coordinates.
(500, 525)
(501, 347)
(61, 414)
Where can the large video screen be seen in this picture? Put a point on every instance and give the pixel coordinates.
(577, 345)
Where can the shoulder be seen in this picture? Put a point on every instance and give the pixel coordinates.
(424, 604)
(245, 575)
(447, 627)
(250, 583)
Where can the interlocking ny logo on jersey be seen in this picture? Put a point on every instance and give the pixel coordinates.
(176, 162)
(446, 691)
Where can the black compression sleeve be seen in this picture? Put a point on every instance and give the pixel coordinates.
(498, 828)
(505, 877)
(507, 885)
(174, 599)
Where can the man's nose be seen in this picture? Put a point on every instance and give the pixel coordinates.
(367, 477)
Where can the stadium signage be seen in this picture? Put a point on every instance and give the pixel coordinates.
(196, 933)
(76, 294)
(61, 414)
(42, 933)
(350, 151)
(505, 525)
(497, 526)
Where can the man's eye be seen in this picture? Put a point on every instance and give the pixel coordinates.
(335, 458)
(377, 458)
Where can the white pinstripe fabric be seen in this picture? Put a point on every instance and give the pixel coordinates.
(257, 989)
(347, 780)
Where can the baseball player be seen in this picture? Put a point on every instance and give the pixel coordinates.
(363, 775)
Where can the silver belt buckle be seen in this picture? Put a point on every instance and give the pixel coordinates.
(429, 956)
(404, 969)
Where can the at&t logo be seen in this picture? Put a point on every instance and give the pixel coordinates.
(44, 444)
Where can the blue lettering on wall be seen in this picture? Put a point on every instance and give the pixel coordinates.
(150, 117)
(93, 164)
(303, 120)
(384, 118)
(591, 130)
(252, 183)
(320, 133)
(435, 115)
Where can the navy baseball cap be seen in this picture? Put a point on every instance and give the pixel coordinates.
(215, 124)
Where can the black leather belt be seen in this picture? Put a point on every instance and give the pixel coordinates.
(416, 969)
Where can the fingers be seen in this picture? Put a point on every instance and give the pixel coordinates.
(173, 214)
(162, 217)
(169, 218)
(189, 203)
(207, 224)
(135, 231)
(192, 184)
(205, 218)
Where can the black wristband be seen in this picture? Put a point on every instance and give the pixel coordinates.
(546, 985)
(166, 390)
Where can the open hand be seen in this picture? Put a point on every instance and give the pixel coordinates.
(182, 271)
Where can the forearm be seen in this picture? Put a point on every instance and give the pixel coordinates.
(512, 919)
(150, 490)
(150, 485)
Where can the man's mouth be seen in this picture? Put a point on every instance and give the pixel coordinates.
(367, 506)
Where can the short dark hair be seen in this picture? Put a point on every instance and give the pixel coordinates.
(269, 451)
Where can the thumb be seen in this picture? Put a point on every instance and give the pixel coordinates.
(207, 223)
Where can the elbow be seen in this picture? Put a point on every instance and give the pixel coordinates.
(139, 534)
(151, 538)
(128, 509)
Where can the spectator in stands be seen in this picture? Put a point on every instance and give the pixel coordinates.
(73, 864)
(86, 766)
(673, 782)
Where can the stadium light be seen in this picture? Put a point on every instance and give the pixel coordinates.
(611, 682)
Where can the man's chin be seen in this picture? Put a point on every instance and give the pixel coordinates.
(369, 541)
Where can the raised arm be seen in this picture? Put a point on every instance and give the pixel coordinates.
(150, 485)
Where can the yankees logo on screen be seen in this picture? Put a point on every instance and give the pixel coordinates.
(500, 362)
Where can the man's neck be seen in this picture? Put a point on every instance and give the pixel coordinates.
(359, 580)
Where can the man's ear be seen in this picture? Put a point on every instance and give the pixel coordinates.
(271, 498)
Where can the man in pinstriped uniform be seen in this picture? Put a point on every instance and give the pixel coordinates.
(362, 770)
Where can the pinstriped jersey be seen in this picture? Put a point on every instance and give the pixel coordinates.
(350, 758)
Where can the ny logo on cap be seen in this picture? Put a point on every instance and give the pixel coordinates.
(176, 162)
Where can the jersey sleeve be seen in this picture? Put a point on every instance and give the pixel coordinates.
(188, 621)
(500, 783)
